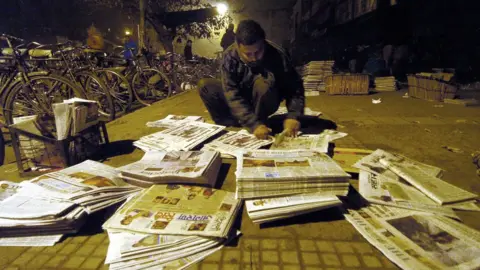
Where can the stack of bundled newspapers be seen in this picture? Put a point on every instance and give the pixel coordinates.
(395, 180)
(314, 74)
(418, 240)
(59, 202)
(170, 226)
(185, 167)
(314, 142)
(184, 137)
(74, 115)
(385, 84)
(265, 174)
(231, 142)
(174, 120)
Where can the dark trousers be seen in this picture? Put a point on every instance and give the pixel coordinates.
(264, 100)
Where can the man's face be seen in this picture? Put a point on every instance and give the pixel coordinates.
(252, 54)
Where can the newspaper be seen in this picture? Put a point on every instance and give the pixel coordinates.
(435, 188)
(181, 138)
(23, 206)
(174, 121)
(255, 194)
(63, 119)
(84, 179)
(288, 201)
(317, 143)
(414, 240)
(32, 149)
(346, 157)
(307, 111)
(175, 209)
(7, 189)
(381, 190)
(231, 142)
(268, 165)
(74, 115)
(31, 241)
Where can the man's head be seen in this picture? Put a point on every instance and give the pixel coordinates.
(231, 27)
(189, 42)
(250, 38)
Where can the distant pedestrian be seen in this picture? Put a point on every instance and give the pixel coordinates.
(187, 51)
(94, 39)
(228, 38)
(131, 48)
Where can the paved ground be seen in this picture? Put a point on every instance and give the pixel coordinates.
(322, 240)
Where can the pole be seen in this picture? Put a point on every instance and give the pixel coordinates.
(141, 41)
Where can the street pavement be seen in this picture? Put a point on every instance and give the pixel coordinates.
(323, 240)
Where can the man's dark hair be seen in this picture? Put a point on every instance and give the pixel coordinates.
(249, 32)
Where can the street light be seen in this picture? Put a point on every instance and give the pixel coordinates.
(222, 9)
(128, 33)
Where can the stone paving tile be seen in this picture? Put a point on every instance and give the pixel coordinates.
(231, 266)
(251, 243)
(310, 258)
(331, 260)
(38, 261)
(307, 245)
(269, 256)
(74, 262)
(85, 250)
(23, 259)
(55, 261)
(92, 263)
(343, 247)
(289, 257)
(68, 249)
(269, 244)
(371, 261)
(79, 239)
(287, 244)
(250, 257)
(325, 246)
(210, 266)
(269, 267)
(215, 257)
(350, 261)
(231, 256)
(362, 248)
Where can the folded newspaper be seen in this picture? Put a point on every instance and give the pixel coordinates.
(190, 167)
(423, 177)
(416, 240)
(74, 115)
(347, 157)
(317, 143)
(269, 173)
(174, 121)
(177, 209)
(181, 138)
(231, 142)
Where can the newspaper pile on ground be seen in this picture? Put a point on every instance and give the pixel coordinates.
(418, 240)
(74, 115)
(347, 157)
(178, 138)
(284, 174)
(167, 225)
(174, 121)
(186, 167)
(231, 142)
(395, 180)
(385, 84)
(315, 142)
(313, 75)
(282, 110)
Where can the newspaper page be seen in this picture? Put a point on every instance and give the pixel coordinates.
(175, 209)
(63, 119)
(30, 241)
(7, 189)
(346, 157)
(24, 206)
(84, 113)
(255, 194)
(80, 180)
(181, 138)
(174, 121)
(317, 143)
(232, 141)
(268, 165)
(307, 111)
(381, 190)
(416, 240)
(435, 188)
(155, 164)
(279, 202)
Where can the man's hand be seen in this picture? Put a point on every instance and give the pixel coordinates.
(291, 127)
(261, 132)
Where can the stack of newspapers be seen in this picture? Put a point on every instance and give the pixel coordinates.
(385, 84)
(315, 142)
(184, 137)
(174, 120)
(170, 227)
(185, 167)
(314, 74)
(74, 115)
(263, 174)
(231, 142)
(418, 240)
(59, 202)
(395, 180)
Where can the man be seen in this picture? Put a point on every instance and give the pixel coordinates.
(228, 38)
(256, 76)
(187, 51)
(130, 47)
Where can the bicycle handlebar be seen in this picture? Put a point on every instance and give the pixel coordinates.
(5, 36)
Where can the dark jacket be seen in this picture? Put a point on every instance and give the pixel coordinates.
(238, 78)
(187, 53)
(227, 39)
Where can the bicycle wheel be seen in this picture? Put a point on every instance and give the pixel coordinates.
(96, 90)
(119, 87)
(37, 98)
(151, 85)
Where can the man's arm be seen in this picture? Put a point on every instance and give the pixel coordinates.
(295, 98)
(239, 107)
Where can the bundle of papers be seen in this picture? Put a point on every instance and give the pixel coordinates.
(318, 143)
(174, 121)
(178, 210)
(156, 251)
(271, 209)
(405, 182)
(313, 75)
(273, 173)
(307, 111)
(74, 115)
(416, 240)
(385, 84)
(179, 138)
(231, 142)
(191, 167)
